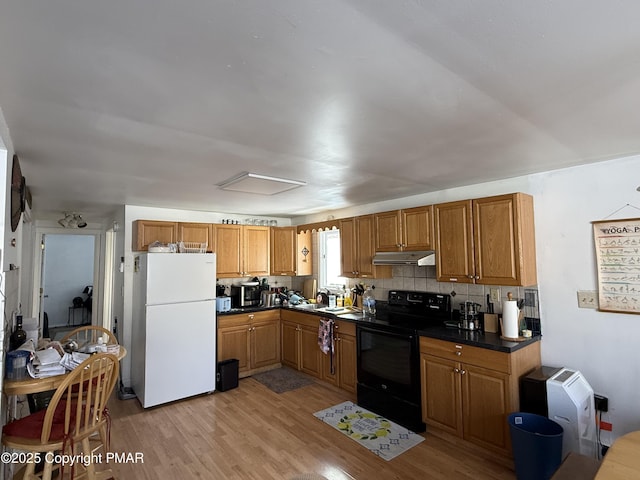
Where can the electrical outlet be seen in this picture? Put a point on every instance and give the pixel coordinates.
(495, 295)
(587, 299)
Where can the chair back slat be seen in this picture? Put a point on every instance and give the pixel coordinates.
(90, 334)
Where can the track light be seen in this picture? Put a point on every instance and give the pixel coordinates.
(72, 220)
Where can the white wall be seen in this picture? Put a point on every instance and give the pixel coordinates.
(68, 269)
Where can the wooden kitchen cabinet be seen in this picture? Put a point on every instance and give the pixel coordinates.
(197, 232)
(404, 230)
(146, 232)
(357, 249)
(344, 373)
(242, 250)
(469, 391)
(487, 241)
(288, 252)
(300, 348)
(251, 338)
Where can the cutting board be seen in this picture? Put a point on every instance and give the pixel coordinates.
(309, 289)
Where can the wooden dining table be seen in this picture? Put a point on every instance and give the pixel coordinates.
(622, 461)
(31, 385)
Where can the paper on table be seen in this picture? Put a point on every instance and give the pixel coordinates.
(48, 356)
(72, 360)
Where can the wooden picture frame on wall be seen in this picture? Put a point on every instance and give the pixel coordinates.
(617, 244)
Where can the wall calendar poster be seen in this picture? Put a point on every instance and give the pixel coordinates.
(617, 244)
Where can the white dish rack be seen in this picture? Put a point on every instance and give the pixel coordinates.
(192, 247)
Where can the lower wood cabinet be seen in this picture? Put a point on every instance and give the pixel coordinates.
(252, 338)
(343, 373)
(300, 349)
(469, 391)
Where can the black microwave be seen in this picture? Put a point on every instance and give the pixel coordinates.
(245, 296)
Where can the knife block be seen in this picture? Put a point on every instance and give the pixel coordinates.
(491, 322)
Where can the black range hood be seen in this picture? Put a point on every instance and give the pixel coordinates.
(422, 258)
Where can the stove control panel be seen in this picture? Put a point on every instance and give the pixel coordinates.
(420, 300)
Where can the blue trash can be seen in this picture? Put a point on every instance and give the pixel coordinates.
(536, 442)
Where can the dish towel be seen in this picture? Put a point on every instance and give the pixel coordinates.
(325, 339)
(325, 335)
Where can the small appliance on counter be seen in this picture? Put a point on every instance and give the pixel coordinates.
(245, 295)
(223, 304)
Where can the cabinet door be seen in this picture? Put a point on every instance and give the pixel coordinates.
(228, 241)
(197, 232)
(348, 244)
(233, 342)
(265, 349)
(388, 231)
(310, 354)
(365, 246)
(304, 257)
(290, 344)
(454, 242)
(149, 231)
(485, 407)
(504, 240)
(417, 228)
(347, 365)
(256, 251)
(441, 394)
(283, 250)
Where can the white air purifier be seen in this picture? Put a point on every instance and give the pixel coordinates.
(571, 404)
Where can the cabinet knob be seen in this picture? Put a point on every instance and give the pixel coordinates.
(477, 277)
(458, 353)
(456, 370)
(471, 276)
(462, 372)
(251, 316)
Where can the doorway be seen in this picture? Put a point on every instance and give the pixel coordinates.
(67, 279)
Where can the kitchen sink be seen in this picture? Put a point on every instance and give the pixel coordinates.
(308, 306)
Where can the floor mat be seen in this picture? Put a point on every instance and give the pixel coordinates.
(283, 379)
(381, 436)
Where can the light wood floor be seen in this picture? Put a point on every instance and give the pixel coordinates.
(253, 433)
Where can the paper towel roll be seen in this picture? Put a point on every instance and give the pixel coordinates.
(510, 319)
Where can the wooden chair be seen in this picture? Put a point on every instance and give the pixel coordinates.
(77, 411)
(90, 334)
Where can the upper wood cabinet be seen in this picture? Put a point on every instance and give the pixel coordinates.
(149, 231)
(288, 252)
(357, 249)
(197, 232)
(487, 241)
(404, 230)
(241, 250)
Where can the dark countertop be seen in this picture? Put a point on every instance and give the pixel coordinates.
(491, 341)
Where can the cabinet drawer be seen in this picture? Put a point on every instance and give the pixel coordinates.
(232, 320)
(264, 315)
(481, 357)
(345, 328)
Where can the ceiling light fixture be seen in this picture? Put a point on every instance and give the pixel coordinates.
(72, 220)
(259, 184)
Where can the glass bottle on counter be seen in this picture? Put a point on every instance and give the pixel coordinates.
(368, 302)
(19, 336)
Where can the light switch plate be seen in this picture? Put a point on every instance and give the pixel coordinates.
(587, 299)
(495, 295)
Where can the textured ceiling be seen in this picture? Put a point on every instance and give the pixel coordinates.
(155, 103)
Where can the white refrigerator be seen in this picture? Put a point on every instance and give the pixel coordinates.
(173, 332)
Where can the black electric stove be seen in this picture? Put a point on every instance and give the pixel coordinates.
(388, 358)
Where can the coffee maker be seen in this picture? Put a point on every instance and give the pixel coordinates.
(470, 316)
